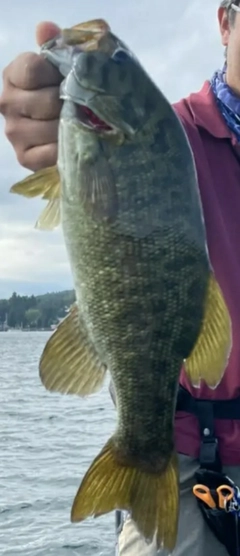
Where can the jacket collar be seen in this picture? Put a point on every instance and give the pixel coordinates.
(205, 113)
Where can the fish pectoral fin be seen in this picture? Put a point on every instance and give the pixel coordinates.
(69, 363)
(50, 217)
(210, 354)
(152, 499)
(98, 191)
(46, 183)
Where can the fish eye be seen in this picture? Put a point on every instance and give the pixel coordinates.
(120, 55)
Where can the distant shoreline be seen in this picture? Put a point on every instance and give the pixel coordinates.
(41, 313)
(29, 329)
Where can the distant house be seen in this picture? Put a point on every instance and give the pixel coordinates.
(4, 324)
(60, 319)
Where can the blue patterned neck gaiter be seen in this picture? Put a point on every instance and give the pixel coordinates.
(227, 101)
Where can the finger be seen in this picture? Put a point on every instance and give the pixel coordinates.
(30, 71)
(45, 31)
(38, 158)
(25, 133)
(43, 104)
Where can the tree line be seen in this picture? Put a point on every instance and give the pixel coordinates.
(42, 311)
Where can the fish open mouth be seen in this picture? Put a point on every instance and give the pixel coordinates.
(90, 120)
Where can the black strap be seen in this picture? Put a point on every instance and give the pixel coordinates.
(206, 412)
(222, 409)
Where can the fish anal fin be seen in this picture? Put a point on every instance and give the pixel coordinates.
(69, 363)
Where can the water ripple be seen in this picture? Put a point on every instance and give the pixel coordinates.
(47, 443)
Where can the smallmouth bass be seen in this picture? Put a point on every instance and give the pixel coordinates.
(125, 190)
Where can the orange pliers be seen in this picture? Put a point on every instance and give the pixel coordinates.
(224, 493)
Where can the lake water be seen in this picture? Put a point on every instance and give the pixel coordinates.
(47, 442)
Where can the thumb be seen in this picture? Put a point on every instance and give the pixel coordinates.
(45, 31)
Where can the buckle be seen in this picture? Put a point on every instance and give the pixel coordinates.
(209, 454)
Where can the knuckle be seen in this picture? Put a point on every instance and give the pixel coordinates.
(10, 130)
(23, 159)
(5, 73)
(12, 134)
(5, 97)
(8, 101)
(3, 104)
(30, 68)
(52, 104)
(22, 72)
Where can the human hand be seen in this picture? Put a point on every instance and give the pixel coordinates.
(31, 106)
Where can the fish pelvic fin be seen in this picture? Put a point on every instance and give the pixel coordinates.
(46, 183)
(209, 357)
(69, 363)
(152, 499)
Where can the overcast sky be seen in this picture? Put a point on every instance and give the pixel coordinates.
(178, 43)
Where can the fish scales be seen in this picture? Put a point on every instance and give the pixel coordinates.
(121, 282)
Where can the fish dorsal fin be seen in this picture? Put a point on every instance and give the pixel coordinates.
(209, 357)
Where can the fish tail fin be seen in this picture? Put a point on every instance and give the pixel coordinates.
(46, 183)
(152, 499)
(210, 354)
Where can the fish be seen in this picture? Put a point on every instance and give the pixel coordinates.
(125, 192)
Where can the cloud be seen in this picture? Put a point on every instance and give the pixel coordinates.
(179, 45)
